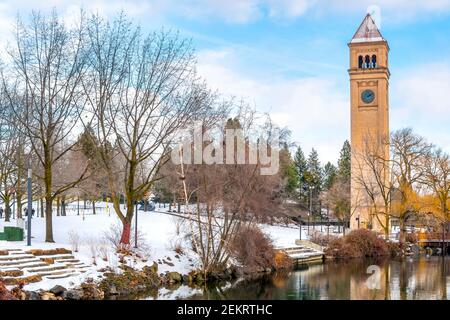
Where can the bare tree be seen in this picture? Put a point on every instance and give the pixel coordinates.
(437, 177)
(142, 90)
(409, 152)
(48, 63)
(371, 176)
(227, 197)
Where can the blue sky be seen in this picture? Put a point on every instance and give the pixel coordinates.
(290, 57)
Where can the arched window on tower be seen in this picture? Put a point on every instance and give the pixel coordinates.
(367, 62)
(360, 62)
(374, 61)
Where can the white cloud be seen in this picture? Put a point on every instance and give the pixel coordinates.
(420, 99)
(315, 109)
(394, 10)
(233, 11)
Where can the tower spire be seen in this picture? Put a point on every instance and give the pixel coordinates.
(367, 31)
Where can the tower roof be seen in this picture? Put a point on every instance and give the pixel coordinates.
(367, 31)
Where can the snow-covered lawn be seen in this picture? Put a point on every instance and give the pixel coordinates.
(159, 230)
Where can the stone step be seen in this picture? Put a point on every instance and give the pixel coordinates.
(56, 272)
(15, 252)
(75, 264)
(26, 265)
(17, 280)
(18, 262)
(62, 276)
(57, 256)
(66, 260)
(307, 255)
(48, 268)
(16, 257)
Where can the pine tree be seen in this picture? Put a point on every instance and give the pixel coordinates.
(314, 180)
(314, 171)
(330, 175)
(288, 171)
(301, 168)
(344, 162)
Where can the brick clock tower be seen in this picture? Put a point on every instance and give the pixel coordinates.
(369, 99)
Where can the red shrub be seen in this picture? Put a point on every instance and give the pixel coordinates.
(253, 249)
(358, 243)
(5, 294)
(411, 237)
(321, 238)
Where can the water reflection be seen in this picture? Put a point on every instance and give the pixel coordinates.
(408, 279)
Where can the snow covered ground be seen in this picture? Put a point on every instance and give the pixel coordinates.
(159, 230)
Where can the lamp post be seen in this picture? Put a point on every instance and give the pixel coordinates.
(300, 226)
(136, 225)
(30, 205)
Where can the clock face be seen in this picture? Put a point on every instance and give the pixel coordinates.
(367, 96)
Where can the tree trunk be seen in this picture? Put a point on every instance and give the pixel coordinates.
(63, 206)
(93, 206)
(402, 237)
(42, 207)
(48, 198)
(126, 232)
(7, 210)
(19, 205)
(48, 221)
(58, 206)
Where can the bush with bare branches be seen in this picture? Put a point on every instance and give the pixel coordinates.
(358, 243)
(253, 249)
(74, 240)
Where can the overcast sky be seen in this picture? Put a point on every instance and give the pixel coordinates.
(290, 57)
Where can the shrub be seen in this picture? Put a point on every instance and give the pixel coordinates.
(395, 248)
(253, 249)
(92, 243)
(74, 240)
(358, 243)
(282, 261)
(368, 242)
(411, 237)
(5, 294)
(113, 235)
(321, 238)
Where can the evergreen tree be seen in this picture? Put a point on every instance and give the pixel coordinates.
(288, 171)
(301, 168)
(314, 180)
(330, 175)
(344, 162)
(314, 171)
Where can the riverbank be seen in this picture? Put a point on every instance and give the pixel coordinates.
(421, 278)
(89, 237)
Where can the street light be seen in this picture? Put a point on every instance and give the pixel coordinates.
(136, 226)
(300, 226)
(30, 205)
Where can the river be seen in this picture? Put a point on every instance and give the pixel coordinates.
(407, 279)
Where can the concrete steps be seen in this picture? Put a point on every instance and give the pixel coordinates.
(35, 268)
(303, 254)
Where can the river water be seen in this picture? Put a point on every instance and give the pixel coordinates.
(407, 279)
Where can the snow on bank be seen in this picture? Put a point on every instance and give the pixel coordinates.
(159, 230)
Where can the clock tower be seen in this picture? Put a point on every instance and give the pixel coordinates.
(369, 100)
